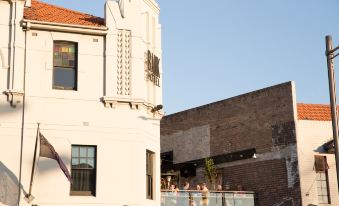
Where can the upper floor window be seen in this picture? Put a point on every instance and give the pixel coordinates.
(65, 65)
(149, 174)
(83, 170)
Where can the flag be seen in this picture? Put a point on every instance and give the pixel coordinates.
(47, 150)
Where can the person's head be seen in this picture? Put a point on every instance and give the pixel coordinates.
(172, 187)
(186, 185)
(198, 187)
(219, 187)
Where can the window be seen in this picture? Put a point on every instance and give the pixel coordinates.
(65, 65)
(321, 168)
(83, 170)
(149, 174)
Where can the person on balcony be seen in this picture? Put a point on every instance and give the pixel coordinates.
(219, 188)
(186, 186)
(204, 194)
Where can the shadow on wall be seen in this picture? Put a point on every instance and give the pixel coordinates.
(45, 165)
(8, 186)
(6, 108)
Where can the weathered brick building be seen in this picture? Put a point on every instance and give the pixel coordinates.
(262, 140)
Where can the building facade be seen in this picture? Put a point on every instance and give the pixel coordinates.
(315, 142)
(94, 86)
(262, 141)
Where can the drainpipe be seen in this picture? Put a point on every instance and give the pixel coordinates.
(12, 43)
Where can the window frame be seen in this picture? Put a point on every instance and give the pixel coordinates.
(150, 192)
(76, 53)
(320, 181)
(84, 193)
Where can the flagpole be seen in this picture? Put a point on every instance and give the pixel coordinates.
(29, 196)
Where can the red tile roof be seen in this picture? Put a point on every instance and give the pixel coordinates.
(317, 112)
(41, 11)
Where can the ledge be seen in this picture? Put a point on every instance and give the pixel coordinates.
(14, 97)
(134, 104)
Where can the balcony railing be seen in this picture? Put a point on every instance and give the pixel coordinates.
(196, 198)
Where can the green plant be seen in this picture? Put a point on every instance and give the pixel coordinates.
(210, 171)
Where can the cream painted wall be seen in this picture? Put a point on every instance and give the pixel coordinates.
(5, 10)
(121, 133)
(310, 136)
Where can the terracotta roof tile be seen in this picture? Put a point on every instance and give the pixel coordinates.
(41, 11)
(317, 112)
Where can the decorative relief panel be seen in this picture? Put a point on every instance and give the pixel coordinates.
(124, 62)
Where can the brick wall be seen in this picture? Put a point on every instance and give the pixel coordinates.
(267, 178)
(263, 120)
(238, 123)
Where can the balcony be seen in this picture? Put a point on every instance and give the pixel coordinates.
(197, 198)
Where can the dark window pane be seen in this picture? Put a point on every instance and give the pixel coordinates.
(64, 78)
(149, 186)
(83, 180)
(149, 174)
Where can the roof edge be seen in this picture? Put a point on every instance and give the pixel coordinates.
(234, 97)
(77, 29)
(103, 28)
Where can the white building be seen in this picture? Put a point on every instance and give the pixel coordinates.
(315, 143)
(94, 85)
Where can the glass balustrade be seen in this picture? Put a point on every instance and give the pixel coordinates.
(197, 198)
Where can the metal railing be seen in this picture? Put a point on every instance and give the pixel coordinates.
(196, 198)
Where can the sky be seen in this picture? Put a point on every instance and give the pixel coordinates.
(217, 49)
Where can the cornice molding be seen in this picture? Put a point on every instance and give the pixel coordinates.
(72, 28)
(153, 5)
(134, 104)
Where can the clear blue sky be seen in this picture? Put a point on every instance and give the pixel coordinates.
(216, 49)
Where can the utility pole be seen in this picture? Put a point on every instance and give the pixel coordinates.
(330, 54)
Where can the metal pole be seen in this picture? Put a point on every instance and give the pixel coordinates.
(29, 195)
(331, 78)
